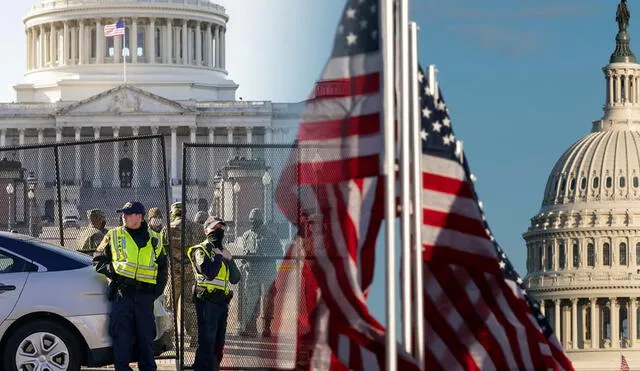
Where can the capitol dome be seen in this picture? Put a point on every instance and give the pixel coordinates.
(173, 48)
(583, 246)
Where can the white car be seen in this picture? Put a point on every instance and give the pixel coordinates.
(54, 312)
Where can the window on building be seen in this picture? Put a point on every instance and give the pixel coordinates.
(624, 328)
(202, 43)
(141, 42)
(583, 184)
(576, 254)
(596, 182)
(637, 323)
(179, 35)
(591, 255)
(562, 256)
(94, 44)
(192, 34)
(587, 323)
(623, 253)
(549, 257)
(157, 43)
(636, 182)
(605, 327)
(540, 256)
(572, 185)
(638, 253)
(563, 185)
(109, 51)
(609, 182)
(126, 37)
(606, 254)
(623, 182)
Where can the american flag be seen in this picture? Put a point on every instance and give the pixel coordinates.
(115, 29)
(331, 190)
(478, 315)
(624, 366)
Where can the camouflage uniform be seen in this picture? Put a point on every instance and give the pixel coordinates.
(90, 237)
(154, 219)
(194, 234)
(260, 241)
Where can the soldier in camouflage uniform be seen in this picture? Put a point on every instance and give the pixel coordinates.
(259, 241)
(154, 219)
(194, 234)
(90, 237)
(201, 217)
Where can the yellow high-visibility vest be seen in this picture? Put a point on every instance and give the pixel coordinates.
(220, 282)
(132, 262)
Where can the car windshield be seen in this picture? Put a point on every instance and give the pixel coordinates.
(70, 254)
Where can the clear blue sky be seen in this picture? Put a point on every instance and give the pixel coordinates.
(522, 80)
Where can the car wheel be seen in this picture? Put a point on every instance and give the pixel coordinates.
(42, 345)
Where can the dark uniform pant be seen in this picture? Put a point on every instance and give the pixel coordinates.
(212, 328)
(132, 324)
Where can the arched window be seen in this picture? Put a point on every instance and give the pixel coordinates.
(576, 254)
(583, 184)
(591, 255)
(549, 257)
(606, 254)
(596, 182)
(563, 256)
(609, 182)
(623, 253)
(623, 183)
(572, 185)
(636, 182)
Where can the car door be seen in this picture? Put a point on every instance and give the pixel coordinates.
(13, 276)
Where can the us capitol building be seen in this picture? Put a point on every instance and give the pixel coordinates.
(177, 85)
(583, 247)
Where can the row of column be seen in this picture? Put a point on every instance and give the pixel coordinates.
(622, 89)
(77, 43)
(593, 323)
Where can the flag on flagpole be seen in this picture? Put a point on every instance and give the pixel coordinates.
(331, 190)
(115, 29)
(477, 314)
(624, 366)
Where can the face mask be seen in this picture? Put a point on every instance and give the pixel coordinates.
(216, 235)
(155, 222)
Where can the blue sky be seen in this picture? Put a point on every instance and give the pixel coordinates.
(522, 80)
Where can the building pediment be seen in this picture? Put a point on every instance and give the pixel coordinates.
(124, 99)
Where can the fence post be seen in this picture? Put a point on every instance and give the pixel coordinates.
(57, 161)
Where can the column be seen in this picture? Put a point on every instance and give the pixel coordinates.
(556, 319)
(154, 158)
(198, 44)
(185, 43)
(21, 142)
(208, 46)
(28, 34)
(626, 89)
(223, 52)
(97, 182)
(542, 308)
(41, 49)
(58, 134)
(99, 42)
(151, 41)
(595, 337)
(169, 40)
(174, 154)
(615, 328)
(52, 45)
(574, 323)
(116, 158)
(82, 45)
(136, 155)
(249, 140)
(65, 43)
(618, 89)
(40, 141)
(632, 321)
(78, 176)
(3, 139)
(74, 45)
(230, 134)
(217, 53)
(133, 41)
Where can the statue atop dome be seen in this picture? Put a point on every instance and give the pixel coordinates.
(622, 16)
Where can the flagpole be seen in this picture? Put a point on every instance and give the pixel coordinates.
(405, 131)
(416, 216)
(388, 116)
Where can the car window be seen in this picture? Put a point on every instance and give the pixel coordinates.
(11, 264)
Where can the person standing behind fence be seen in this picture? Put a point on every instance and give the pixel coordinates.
(134, 258)
(214, 271)
(263, 245)
(154, 216)
(193, 234)
(90, 237)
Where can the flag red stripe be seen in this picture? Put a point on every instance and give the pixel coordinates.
(447, 185)
(332, 129)
(347, 87)
(454, 222)
(467, 310)
(338, 171)
(452, 255)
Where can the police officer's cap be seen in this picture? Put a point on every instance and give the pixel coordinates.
(212, 221)
(134, 207)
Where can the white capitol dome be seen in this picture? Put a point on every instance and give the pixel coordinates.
(176, 49)
(583, 247)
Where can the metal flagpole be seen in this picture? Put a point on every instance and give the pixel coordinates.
(402, 69)
(416, 216)
(388, 117)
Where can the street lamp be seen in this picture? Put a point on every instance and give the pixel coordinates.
(34, 215)
(236, 190)
(266, 181)
(10, 191)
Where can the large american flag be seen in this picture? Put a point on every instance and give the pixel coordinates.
(331, 190)
(114, 29)
(478, 315)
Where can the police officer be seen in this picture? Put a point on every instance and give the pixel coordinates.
(262, 243)
(133, 257)
(214, 271)
(90, 237)
(193, 234)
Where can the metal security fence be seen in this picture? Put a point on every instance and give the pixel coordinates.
(46, 190)
(237, 183)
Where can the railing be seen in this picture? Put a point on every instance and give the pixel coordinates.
(55, 4)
